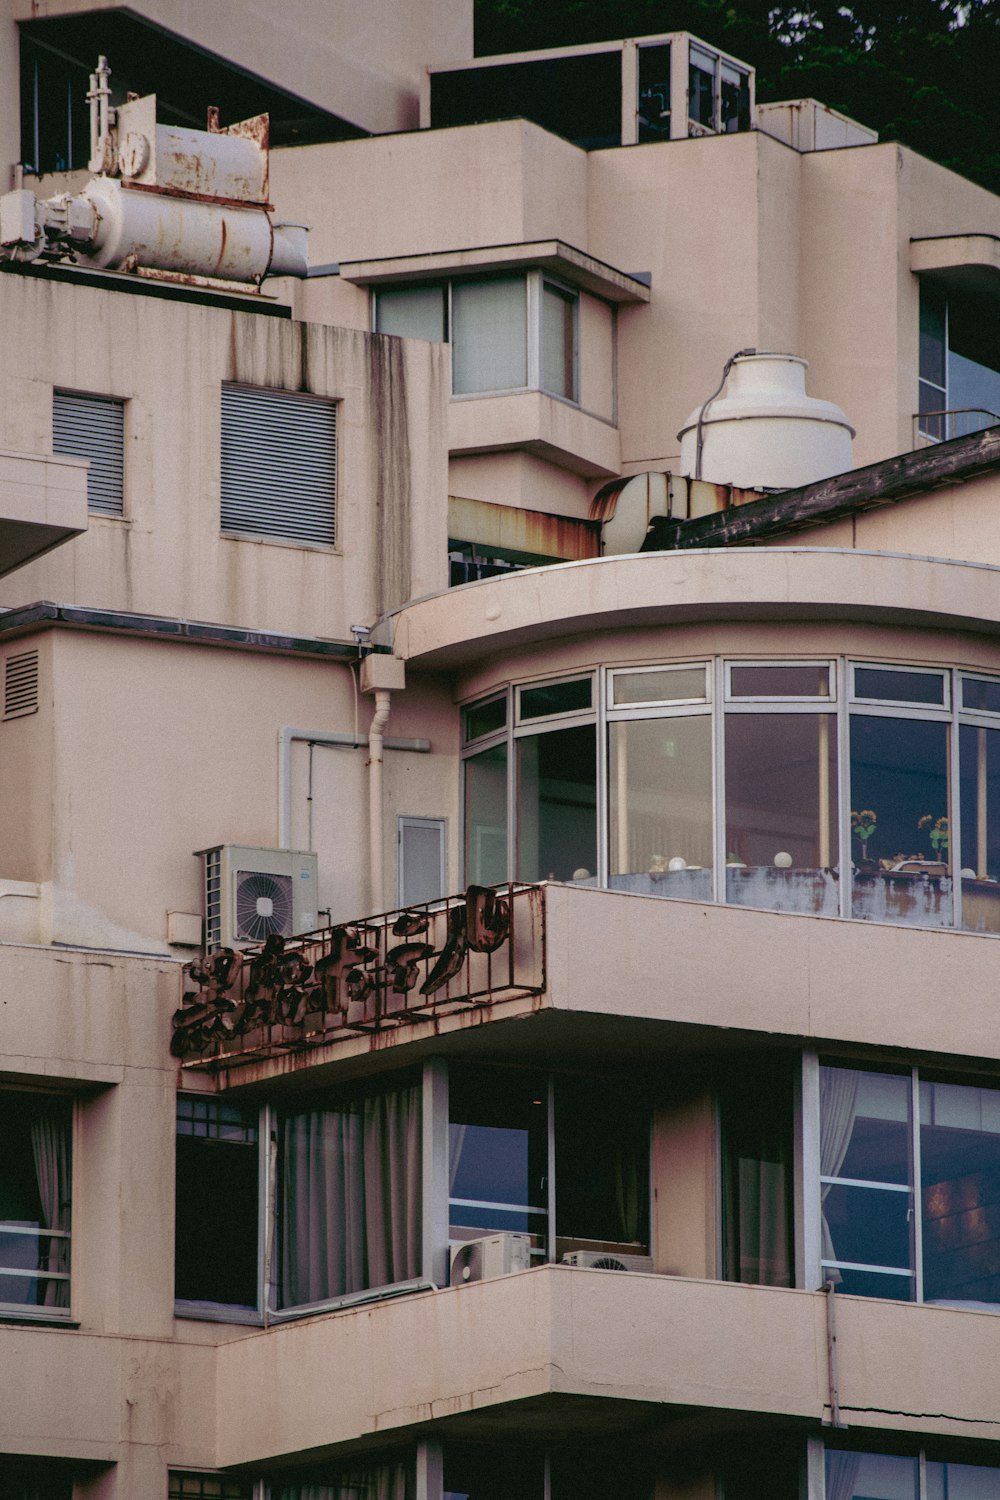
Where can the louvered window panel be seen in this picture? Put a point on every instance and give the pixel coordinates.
(20, 685)
(279, 465)
(93, 427)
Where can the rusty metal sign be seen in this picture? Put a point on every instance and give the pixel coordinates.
(386, 971)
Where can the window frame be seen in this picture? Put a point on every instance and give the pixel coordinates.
(119, 511)
(812, 1180)
(535, 280)
(839, 706)
(280, 394)
(37, 1312)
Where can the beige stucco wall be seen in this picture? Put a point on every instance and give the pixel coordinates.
(168, 360)
(153, 750)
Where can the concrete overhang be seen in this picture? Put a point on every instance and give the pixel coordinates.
(643, 1347)
(642, 996)
(969, 262)
(462, 626)
(43, 503)
(570, 264)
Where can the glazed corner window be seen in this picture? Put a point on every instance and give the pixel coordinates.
(507, 332)
(35, 1194)
(279, 465)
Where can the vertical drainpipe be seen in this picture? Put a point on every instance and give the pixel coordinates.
(380, 676)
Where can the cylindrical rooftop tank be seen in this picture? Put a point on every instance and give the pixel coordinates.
(764, 432)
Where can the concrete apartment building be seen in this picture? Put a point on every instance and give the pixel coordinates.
(499, 845)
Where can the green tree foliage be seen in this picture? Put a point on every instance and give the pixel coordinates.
(924, 72)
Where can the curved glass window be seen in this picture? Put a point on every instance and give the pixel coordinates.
(825, 787)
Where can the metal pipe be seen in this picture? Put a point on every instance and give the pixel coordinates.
(831, 1353)
(287, 736)
(699, 444)
(383, 705)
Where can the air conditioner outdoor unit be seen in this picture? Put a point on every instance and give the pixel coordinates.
(252, 893)
(493, 1255)
(608, 1260)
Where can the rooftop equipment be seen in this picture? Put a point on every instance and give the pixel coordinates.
(164, 200)
(761, 431)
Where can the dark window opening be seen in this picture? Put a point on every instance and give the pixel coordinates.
(217, 1203)
(756, 1111)
(654, 92)
(578, 98)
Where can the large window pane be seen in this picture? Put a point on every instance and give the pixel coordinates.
(486, 817)
(701, 88)
(493, 1472)
(498, 1153)
(558, 341)
(660, 807)
(602, 1168)
(653, 114)
(865, 1476)
(899, 817)
(781, 812)
(35, 1190)
(960, 1192)
(413, 312)
(962, 1482)
(979, 798)
(757, 1184)
(557, 805)
(215, 1247)
(349, 1196)
(865, 1138)
(489, 335)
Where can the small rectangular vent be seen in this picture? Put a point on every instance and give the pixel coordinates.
(20, 685)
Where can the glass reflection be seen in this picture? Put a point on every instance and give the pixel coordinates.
(870, 1476)
(486, 816)
(498, 1151)
(660, 807)
(781, 812)
(960, 1192)
(557, 805)
(899, 820)
(979, 798)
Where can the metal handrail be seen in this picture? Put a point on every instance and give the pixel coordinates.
(921, 418)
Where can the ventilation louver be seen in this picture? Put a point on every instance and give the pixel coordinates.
(252, 894)
(20, 685)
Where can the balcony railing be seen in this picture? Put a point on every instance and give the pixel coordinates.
(957, 421)
(462, 953)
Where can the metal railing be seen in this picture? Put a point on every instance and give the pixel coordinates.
(461, 953)
(956, 421)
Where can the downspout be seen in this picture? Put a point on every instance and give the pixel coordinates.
(383, 704)
(381, 676)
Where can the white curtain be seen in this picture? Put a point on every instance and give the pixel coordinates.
(838, 1096)
(841, 1475)
(350, 1198)
(374, 1482)
(489, 337)
(51, 1151)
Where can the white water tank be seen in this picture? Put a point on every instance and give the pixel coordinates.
(763, 432)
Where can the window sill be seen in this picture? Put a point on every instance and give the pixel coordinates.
(328, 549)
(40, 1319)
(533, 421)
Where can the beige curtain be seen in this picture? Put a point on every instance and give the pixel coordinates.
(838, 1095)
(350, 1191)
(842, 1471)
(51, 1151)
